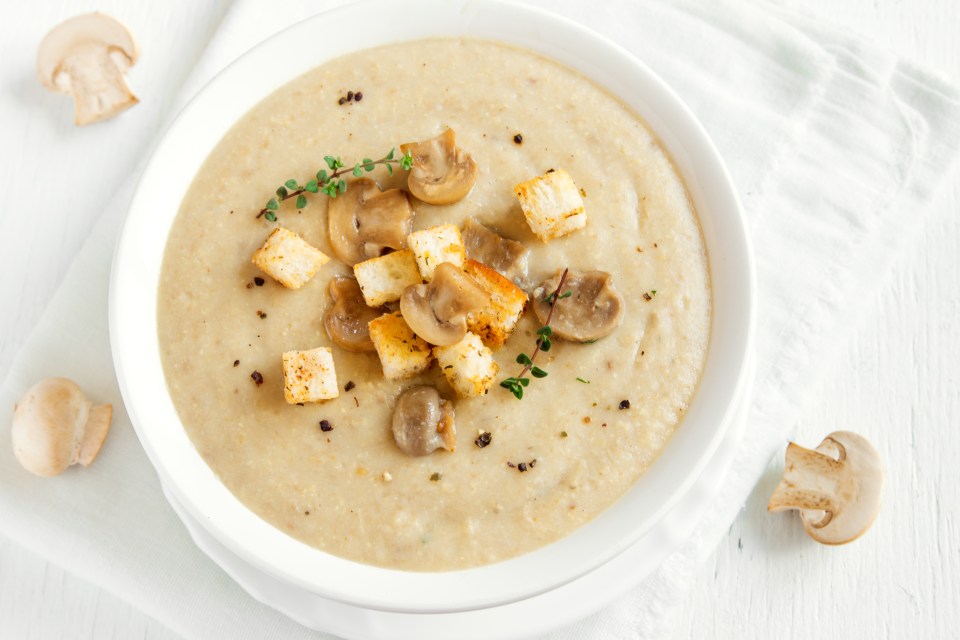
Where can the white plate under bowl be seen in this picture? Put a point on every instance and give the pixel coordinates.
(201, 125)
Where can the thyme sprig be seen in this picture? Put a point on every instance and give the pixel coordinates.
(331, 184)
(516, 384)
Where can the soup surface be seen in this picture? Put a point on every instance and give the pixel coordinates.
(593, 425)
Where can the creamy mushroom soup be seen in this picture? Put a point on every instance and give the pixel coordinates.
(525, 472)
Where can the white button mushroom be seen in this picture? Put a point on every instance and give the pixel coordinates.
(86, 57)
(55, 426)
(836, 487)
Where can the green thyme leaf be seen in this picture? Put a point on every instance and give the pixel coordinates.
(391, 154)
(545, 344)
(301, 201)
(272, 204)
(524, 381)
(282, 192)
(537, 372)
(357, 171)
(524, 359)
(321, 176)
(291, 184)
(312, 186)
(390, 169)
(331, 162)
(583, 381)
(269, 215)
(342, 185)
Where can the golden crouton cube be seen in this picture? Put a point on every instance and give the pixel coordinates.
(383, 279)
(309, 376)
(402, 353)
(288, 258)
(438, 244)
(468, 366)
(496, 321)
(552, 205)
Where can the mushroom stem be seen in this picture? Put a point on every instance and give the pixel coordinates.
(94, 433)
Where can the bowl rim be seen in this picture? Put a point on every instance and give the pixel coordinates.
(132, 305)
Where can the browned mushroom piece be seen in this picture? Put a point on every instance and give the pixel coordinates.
(588, 308)
(508, 257)
(423, 422)
(346, 321)
(437, 311)
(365, 221)
(442, 172)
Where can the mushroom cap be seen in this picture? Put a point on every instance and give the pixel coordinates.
(364, 221)
(507, 257)
(593, 309)
(80, 32)
(836, 487)
(423, 422)
(54, 426)
(346, 321)
(442, 172)
(437, 311)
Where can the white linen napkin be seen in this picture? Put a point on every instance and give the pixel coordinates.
(836, 149)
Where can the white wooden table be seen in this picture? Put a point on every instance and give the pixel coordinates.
(898, 381)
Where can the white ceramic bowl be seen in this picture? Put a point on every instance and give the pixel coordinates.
(185, 146)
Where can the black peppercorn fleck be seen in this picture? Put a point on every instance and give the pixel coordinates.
(257, 377)
(325, 426)
(258, 281)
(522, 467)
(518, 138)
(349, 96)
(341, 101)
(236, 363)
(350, 385)
(624, 404)
(483, 440)
(358, 96)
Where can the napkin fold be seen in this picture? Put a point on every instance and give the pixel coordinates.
(836, 149)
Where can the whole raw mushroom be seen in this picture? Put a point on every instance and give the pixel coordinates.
(836, 487)
(55, 426)
(86, 57)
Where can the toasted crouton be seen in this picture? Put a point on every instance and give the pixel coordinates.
(402, 353)
(438, 244)
(309, 376)
(495, 322)
(468, 366)
(383, 279)
(552, 205)
(288, 258)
